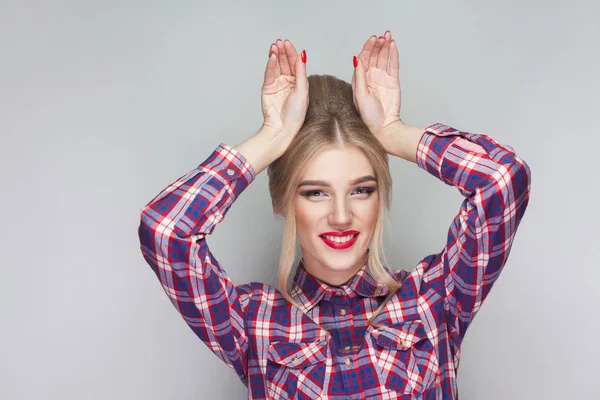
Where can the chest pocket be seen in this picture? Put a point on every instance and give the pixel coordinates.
(296, 370)
(405, 357)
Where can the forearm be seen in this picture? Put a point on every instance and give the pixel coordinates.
(264, 147)
(402, 140)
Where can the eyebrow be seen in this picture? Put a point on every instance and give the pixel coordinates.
(367, 178)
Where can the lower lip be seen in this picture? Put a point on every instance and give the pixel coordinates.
(339, 246)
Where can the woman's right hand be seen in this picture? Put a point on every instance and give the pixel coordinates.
(284, 94)
(284, 100)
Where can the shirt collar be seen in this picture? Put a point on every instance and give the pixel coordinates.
(308, 291)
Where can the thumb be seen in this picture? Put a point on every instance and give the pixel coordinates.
(360, 79)
(301, 80)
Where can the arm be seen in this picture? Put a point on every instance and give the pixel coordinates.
(494, 181)
(175, 224)
(172, 233)
(496, 184)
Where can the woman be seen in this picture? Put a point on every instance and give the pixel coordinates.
(347, 326)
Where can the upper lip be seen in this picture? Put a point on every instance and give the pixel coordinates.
(340, 234)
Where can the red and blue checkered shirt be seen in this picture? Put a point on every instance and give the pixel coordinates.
(326, 350)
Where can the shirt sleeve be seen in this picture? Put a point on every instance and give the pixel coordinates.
(172, 234)
(495, 183)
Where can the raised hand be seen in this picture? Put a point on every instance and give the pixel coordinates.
(284, 101)
(284, 96)
(376, 86)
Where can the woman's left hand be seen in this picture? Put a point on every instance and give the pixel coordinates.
(376, 88)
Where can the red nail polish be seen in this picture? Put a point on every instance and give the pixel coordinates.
(355, 61)
(303, 56)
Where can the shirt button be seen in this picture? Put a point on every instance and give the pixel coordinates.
(230, 172)
(348, 361)
(343, 312)
(295, 360)
(347, 348)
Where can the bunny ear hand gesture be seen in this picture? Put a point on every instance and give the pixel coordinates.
(376, 83)
(284, 97)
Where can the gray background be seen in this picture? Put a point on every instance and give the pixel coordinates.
(102, 104)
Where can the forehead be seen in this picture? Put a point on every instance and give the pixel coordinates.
(338, 164)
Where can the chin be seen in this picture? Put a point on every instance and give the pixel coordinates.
(343, 262)
(334, 266)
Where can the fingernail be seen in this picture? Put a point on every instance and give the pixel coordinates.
(355, 61)
(303, 56)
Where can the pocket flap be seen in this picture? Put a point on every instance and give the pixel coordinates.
(298, 355)
(402, 336)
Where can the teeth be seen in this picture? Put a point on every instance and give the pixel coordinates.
(338, 239)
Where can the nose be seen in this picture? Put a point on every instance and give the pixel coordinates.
(341, 215)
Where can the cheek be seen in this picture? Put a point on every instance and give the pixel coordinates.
(310, 218)
(304, 223)
(368, 211)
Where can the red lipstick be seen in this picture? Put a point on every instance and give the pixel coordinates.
(338, 245)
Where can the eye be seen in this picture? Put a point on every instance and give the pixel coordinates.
(313, 193)
(364, 190)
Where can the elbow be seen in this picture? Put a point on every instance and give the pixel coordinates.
(143, 220)
(146, 232)
(509, 186)
(521, 185)
(143, 231)
(522, 177)
(149, 241)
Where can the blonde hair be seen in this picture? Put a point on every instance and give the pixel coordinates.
(331, 119)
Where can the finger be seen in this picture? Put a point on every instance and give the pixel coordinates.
(283, 60)
(275, 51)
(394, 60)
(375, 52)
(355, 61)
(384, 54)
(365, 53)
(271, 71)
(361, 90)
(292, 55)
(353, 85)
(301, 79)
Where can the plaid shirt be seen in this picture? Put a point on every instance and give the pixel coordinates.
(326, 350)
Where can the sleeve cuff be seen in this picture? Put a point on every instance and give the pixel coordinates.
(231, 166)
(434, 145)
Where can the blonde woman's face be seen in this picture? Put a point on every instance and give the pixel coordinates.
(336, 205)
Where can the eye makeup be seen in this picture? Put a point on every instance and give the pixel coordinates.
(365, 191)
